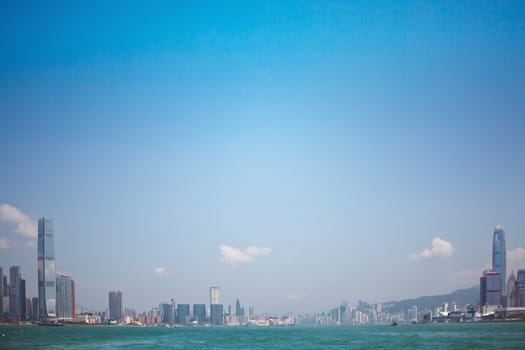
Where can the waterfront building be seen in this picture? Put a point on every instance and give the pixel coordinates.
(34, 311)
(199, 313)
(17, 294)
(216, 314)
(512, 300)
(499, 256)
(115, 306)
(239, 311)
(520, 288)
(65, 308)
(183, 313)
(490, 288)
(1, 290)
(165, 312)
(216, 308)
(46, 269)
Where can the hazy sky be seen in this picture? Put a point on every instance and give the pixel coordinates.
(295, 154)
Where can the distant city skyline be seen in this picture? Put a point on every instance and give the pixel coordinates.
(296, 155)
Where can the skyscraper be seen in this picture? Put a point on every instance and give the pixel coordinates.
(46, 269)
(216, 308)
(520, 281)
(199, 313)
(115, 306)
(215, 295)
(499, 256)
(183, 311)
(65, 296)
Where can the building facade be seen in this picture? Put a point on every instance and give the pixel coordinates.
(115, 306)
(46, 270)
(183, 313)
(199, 313)
(65, 307)
(215, 295)
(216, 314)
(499, 256)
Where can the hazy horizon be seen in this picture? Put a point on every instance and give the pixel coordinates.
(294, 154)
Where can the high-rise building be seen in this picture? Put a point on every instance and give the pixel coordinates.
(46, 269)
(512, 300)
(238, 308)
(1, 290)
(499, 256)
(165, 312)
(199, 313)
(115, 306)
(17, 293)
(216, 314)
(490, 288)
(520, 288)
(34, 311)
(216, 308)
(183, 311)
(65, 296)
(215, 295)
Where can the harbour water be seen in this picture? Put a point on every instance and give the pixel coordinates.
(404, 336)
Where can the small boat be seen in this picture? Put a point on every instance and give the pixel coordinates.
(394, 323)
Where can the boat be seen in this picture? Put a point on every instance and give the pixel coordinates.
(394, 323)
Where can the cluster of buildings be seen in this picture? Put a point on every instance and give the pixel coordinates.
(501, 297)
(175, 314)
(56, 290)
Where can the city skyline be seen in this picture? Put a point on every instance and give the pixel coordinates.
(295, 155)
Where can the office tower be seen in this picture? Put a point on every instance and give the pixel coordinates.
(215, 295)
(165, 312)
(46, 269)
(183, 311)
(216, 308)
(238, 309)
(29, 308)
(115, 306)
(216, 314)
(520, 292)
(34, 311)
(499, 256)
(65, 296)
(199, 313)
(1, 290)
(512, 300)
(490, 288)
(17, 293)
(5, 295)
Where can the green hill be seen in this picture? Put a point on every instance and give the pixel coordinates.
(461, 297)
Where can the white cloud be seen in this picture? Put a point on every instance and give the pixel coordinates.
(516, 258)
(24, 224)
(5, 243)
(258, 251)
(162, 271)
(440, 249)
(234, 255)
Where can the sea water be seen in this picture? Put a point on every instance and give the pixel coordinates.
(404, 336)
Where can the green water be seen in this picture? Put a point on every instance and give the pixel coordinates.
(421, 336)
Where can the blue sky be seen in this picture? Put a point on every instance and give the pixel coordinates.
(339, 139)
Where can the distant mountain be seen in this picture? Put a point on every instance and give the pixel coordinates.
(461, 297)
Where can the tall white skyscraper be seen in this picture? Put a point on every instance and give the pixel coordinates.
(215, 295)
(46, 269)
